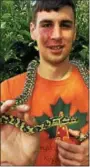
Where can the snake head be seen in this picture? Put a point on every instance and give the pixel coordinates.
(68, 120)
(74, 119)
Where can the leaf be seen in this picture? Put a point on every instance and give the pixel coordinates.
(59, 106)
(3, 24)
(82, 121)
(66, 109)
(42, 118)
(51, 131)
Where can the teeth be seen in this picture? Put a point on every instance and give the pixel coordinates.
(56, 47)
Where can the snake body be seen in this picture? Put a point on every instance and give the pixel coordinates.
(54, 121)
(27, 92)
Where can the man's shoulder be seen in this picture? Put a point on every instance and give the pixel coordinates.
(78, 85)
(13, 87)
(20, 77)
(79, 77)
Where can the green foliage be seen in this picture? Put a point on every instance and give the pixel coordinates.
(14, 24)
(15, 18)
(13, 69)
(81, 46)
(82, 18)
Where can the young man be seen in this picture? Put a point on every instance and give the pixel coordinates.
(59, 89)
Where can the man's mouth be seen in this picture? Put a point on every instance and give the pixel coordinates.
(56, 47)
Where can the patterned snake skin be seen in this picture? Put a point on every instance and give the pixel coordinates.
(27, 92)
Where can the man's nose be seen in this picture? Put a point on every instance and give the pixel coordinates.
(56, 33)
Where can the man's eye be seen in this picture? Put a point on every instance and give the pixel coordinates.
(66, 25)
(46, 25)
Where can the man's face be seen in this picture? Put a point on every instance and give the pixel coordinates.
(54, 33)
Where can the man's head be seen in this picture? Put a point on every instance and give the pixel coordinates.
(53, 27)
(49, 5)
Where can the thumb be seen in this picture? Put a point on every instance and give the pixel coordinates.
(85, 143)
(30, 120)
(74, 133)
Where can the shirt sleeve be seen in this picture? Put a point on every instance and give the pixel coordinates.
(12, 87)
(5, 92)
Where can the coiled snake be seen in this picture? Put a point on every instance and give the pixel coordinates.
(27, 92)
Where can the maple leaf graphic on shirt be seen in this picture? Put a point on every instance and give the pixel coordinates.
(60, 106)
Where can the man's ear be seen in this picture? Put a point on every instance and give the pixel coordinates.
(32, 31)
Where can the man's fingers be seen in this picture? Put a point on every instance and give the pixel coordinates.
(70, 155)
(6, 106)
(23, 108)
(74, 133)
(85, 143)
(20, 111)
(70, 147)
(9, 103)
(29, 119)
(66, 162)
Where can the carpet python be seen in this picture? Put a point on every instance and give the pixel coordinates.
(27, 92)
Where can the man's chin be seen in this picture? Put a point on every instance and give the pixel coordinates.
(56, 61)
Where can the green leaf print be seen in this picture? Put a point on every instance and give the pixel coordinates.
(61, 107)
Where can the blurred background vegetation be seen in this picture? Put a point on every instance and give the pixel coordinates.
(17, 48)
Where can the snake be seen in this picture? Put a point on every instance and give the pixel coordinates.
(28, 91)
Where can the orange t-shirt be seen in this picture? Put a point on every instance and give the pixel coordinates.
(50, 98)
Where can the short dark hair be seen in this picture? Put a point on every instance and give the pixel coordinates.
(49, 5)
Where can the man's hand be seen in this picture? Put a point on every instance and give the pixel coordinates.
(18, 148)
(72, 154)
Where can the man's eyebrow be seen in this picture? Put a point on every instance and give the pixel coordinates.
(67, 21)
(45, 21)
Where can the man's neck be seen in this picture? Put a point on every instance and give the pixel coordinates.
(57, 72)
